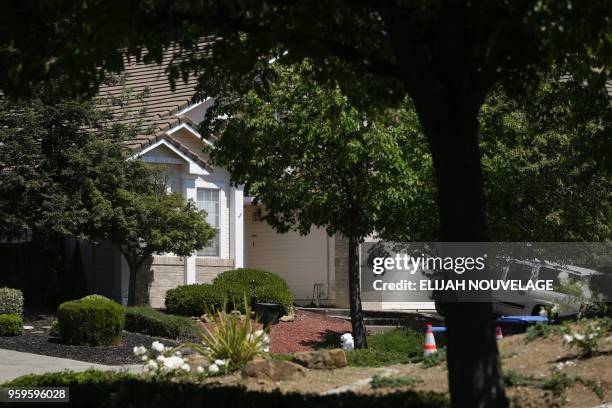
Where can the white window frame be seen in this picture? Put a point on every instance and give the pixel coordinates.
(223, 228)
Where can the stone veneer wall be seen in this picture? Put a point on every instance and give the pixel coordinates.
(168, 272)
(341, 248)
(208, 268)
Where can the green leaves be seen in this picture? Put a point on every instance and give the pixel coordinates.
(314, 159)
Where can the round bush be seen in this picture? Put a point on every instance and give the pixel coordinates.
(11, 325)
(258, 286)
(194, 300)
(91, 322)
(11, 301)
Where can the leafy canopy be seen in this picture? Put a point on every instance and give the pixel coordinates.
(314, 159)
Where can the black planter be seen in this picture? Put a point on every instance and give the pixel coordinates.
(267, 313)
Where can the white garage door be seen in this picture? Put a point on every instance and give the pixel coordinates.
(301, 260)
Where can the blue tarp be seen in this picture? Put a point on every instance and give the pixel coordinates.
(522, 319)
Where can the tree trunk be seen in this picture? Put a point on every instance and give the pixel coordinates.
(134, 266)
(474, 368)
(358, 327)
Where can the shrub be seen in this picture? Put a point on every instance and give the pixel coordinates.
(513, 378)
(258, 286)
(393, 382)
(95, 297)
(231, 339)
(538, 331)
(11, 325)
(154, 323)
(91, 322)
(434, 359)
(230, 288)
(108, 389)
(11, 301)
(194, 300)
(587, 340)
(397, 346)
(54, 331)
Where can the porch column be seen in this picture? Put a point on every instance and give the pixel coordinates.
(190, 261)
(237, 225)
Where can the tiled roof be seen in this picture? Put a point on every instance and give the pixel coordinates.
(148, 101)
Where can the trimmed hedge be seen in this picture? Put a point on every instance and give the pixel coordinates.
(11, 325)
(257, 284)
(92, 389)
(149, 321)
(229, 289)
(11, 301)
(91, 322)
(192, 300)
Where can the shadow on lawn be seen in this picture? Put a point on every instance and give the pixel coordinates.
(328, 339)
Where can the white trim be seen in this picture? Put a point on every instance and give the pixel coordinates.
(223, 228)
(190, 107)
(237, 226)
(194, 168)
(191, 130)
(190, 261)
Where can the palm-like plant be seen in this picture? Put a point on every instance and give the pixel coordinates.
(230, 338)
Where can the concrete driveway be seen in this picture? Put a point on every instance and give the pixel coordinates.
(14, 364)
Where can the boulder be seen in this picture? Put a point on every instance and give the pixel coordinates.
(321, 359)
(287, 318)
(274, 370)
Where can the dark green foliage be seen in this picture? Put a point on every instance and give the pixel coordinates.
(434, 359)
(11, 301)
(149, 321)
(194, 300)
(54, 331)
(258, 286)
(91, 322)
(368, 357)
(539, 331)
(397, 346)
(11, 325)
(393, 382)
(513, 378)
(93, 389)
(229, 289)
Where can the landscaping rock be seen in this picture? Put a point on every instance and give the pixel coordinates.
(321, 359)
(287, 318)
(274, 370)
(28, 327)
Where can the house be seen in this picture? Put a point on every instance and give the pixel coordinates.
(315, 266)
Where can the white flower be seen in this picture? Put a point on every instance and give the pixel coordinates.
(200, 369)
(568, 338)
(213, 368)
(161, 359)
(543, 313)
(144, 358)
(139, 350)
(177, 353)
(579, 336)
(220, 363)
(185, 367)
(157, 346)
(151, 365)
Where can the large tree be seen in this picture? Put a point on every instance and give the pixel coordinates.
(447, 55)
(64, 171)
(314, 160)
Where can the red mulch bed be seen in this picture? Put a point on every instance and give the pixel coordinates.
(306, 332)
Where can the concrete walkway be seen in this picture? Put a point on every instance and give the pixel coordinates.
(15, 363)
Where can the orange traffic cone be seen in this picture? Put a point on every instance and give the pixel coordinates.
(430, 342)
(498, 333)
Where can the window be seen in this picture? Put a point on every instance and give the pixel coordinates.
(550, 274)
(519, 272)
(208, 200)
